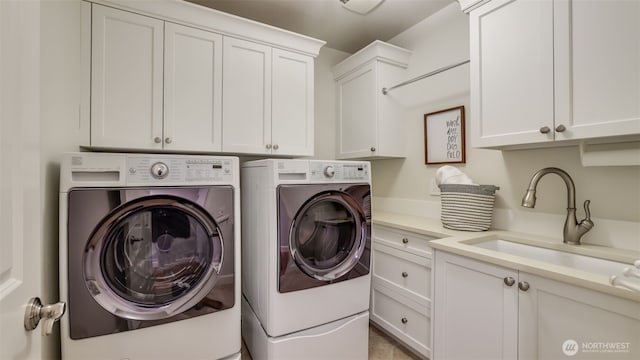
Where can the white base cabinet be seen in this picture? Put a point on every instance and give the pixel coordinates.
(485, 311)
(401, 287)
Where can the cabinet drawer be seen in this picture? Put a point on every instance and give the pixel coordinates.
(402, 269)
(403, 240)
(409, 322)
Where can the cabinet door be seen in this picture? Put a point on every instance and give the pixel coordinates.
(511, 49)
(126, 80)
(246, 108)
(553, 315)
(292, 104)
(475, 311)
(597, 68)
(357, 113)
(193, 89)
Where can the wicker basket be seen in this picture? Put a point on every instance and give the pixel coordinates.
(467, 207)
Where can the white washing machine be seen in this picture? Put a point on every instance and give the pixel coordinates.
(306, 258)
(149, 266)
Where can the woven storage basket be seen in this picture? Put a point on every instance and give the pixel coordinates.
(467, 207)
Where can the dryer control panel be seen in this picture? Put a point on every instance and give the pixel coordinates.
(328, 170)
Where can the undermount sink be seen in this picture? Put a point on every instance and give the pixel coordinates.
(556, 257)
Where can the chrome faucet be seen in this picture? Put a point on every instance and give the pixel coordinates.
(573, 230)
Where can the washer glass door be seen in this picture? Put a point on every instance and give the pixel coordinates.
(153, 258)
(328, 235)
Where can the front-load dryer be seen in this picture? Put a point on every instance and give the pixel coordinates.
(149, 260)
(306, 255)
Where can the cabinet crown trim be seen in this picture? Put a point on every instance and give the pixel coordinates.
(377, 50)
(198, 16)
(468, 5)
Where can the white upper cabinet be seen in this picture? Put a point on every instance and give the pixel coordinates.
(544, 71)
(155, 85)
(247, 94)
(292, 110)
(370, 124)
(126, 79)
(192, 89)
(160, 80)
(268, 100)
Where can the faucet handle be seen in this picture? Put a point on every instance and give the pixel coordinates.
(586, 209)
(586, 222)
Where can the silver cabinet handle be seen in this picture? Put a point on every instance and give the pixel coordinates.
(373, 148)
(49, 314)
(268, 146)
(405, 274)
(404, 320)
(509, 281)
(560, 128)
(276, 147)
(523, 285)
(545, 130)
(405, 240)
(167, 140)
(157, 140)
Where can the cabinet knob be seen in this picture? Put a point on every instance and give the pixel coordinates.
(157, 140)
(560, 128)
(405, 274)
(167, 140)
(373, 148)
(404, 320)
(405, 240)
(509, 281)
(523, 285)
(276, 147)
(268, 146)
(545, 130)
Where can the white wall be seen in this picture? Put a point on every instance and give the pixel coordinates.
(325, 103)
(443, 39)
(59, 114)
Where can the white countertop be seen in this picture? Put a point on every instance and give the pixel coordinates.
(460, 242)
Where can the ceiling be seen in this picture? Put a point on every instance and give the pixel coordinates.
(328, 20)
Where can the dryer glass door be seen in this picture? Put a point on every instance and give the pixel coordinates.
(328, 235)
(153, 258)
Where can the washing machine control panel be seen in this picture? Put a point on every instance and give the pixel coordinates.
(144, 170)
(339, 171)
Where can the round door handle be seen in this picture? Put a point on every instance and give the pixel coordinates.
(404, 320)
(560, 128)
(276, 147)
(509, 281)
(373, 148)
(48, 314)
(167, 140)
(268, 146)
(405, 240)
(523, 285)
(157, 140)
(545, 130)
(405, 274)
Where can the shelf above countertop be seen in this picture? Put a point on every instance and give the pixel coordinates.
(461, 243)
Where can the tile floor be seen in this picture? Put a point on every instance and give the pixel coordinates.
(381, 347)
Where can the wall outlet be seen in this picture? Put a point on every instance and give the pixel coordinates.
(435, 190)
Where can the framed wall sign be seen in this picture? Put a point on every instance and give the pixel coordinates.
(444, 137)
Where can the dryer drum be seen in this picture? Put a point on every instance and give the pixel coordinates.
(328, 235)
(153, 258)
